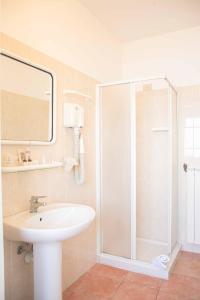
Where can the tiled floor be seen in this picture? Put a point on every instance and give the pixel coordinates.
(106, 283)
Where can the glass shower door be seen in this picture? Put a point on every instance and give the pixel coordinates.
(115, 144)
(152, 169)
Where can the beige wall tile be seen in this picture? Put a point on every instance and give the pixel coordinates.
(56, 184)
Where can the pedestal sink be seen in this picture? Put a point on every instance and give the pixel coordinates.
(46, 229)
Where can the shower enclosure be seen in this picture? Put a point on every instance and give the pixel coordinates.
(137, 202)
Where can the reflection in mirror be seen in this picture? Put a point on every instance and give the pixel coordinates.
(26, 102)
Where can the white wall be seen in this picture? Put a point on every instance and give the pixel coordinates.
(176, 55)
(67, 31)
(1, 242)
(2, 283)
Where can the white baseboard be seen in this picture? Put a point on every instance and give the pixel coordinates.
(191, 248)
(174, 256)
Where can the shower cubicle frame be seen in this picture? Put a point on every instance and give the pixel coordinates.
(133, 264)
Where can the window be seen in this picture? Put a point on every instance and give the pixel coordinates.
(192, 137)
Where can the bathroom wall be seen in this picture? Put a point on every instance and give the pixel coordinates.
(174, 54)
(66, 30)
(79, 253)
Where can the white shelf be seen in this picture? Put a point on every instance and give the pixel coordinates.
(157, 129)
(25, 168)
(76, 92)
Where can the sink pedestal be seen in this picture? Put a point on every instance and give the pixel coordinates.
(47, 229)
(47, 271)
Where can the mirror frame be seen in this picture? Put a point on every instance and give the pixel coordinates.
(53, 113)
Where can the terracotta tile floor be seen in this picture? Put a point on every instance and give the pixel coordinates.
(106, 283)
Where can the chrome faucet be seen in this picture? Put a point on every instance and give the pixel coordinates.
(35, 204)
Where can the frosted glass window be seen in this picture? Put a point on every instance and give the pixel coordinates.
(192, 137)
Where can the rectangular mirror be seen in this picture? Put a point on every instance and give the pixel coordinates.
(27, 102)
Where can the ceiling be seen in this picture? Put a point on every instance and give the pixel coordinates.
(129, 20)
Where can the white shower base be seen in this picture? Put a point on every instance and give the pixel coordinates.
(139, 266)
(147, 250)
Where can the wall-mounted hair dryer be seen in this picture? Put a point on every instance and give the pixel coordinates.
(73, 117)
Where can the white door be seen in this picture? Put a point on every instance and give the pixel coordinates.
(1, 241)
(189, 104)
(197, 208)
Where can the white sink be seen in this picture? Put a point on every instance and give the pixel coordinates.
(54, 222)
(46, 229)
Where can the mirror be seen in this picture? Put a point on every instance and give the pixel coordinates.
(27, 102)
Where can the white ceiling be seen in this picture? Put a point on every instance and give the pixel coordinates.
(135, 19)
